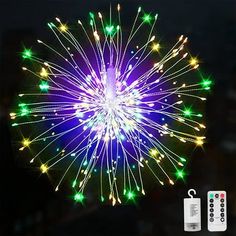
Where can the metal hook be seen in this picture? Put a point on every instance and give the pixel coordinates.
(191, 190)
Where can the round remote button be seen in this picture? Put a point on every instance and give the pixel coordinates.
(211, 210)
(216, 195)
(211, 215)
(211, 219)
(211, 200)
(222, 195)
(222, 209)
(222, 205)
(222, 219)
(211, 205)
(222, 214)
(222, 200)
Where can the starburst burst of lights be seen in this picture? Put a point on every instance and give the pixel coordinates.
(110, 112)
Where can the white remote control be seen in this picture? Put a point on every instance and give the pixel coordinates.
(216, 211)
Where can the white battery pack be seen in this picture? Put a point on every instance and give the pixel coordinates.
(192, 213)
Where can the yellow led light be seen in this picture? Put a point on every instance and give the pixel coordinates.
(181, 38)
(44, 73)
(185, 40)
(202, 126)
(113, 201)
(26, 143)
(43, 168)
(152, 38)
(96, 36)
(193, 61)
(106, 138)
(156, 47)
(118, 7)
(85, 105)
(180, 164)
(182, 140)
(100, 15)
(114, 124)
(63, 28)
(13, 115)
(199, 142)
(130, 102)
(154, 152)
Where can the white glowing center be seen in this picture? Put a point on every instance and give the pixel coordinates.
(110, 84)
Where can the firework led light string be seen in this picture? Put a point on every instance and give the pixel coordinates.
(106, 110)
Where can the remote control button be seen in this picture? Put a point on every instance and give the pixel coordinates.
(211, 200)
(216, 195)
(222, 209)
(222, 195)
(222, 204)
(211, 210)
(222, 215)
(211, 205)
(211, 219)
(222, 200)
(211, 195)
(222, 219)
(211, 215)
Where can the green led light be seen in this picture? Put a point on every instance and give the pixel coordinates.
(183, 159)
(147, 18)
(109, 29)
(180, 174)
(14, 124)
(22, 105)
(130, 195)
(79, 197)
(44, 86)
(27, 54)
(51, 25)
(91, 15)
(187, 112)
(102, 199)
(24, 110)
(74, 184)
(206, 83)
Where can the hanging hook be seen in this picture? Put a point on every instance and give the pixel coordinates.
(191, 190)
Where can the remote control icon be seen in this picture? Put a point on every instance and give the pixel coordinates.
(216, 211)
